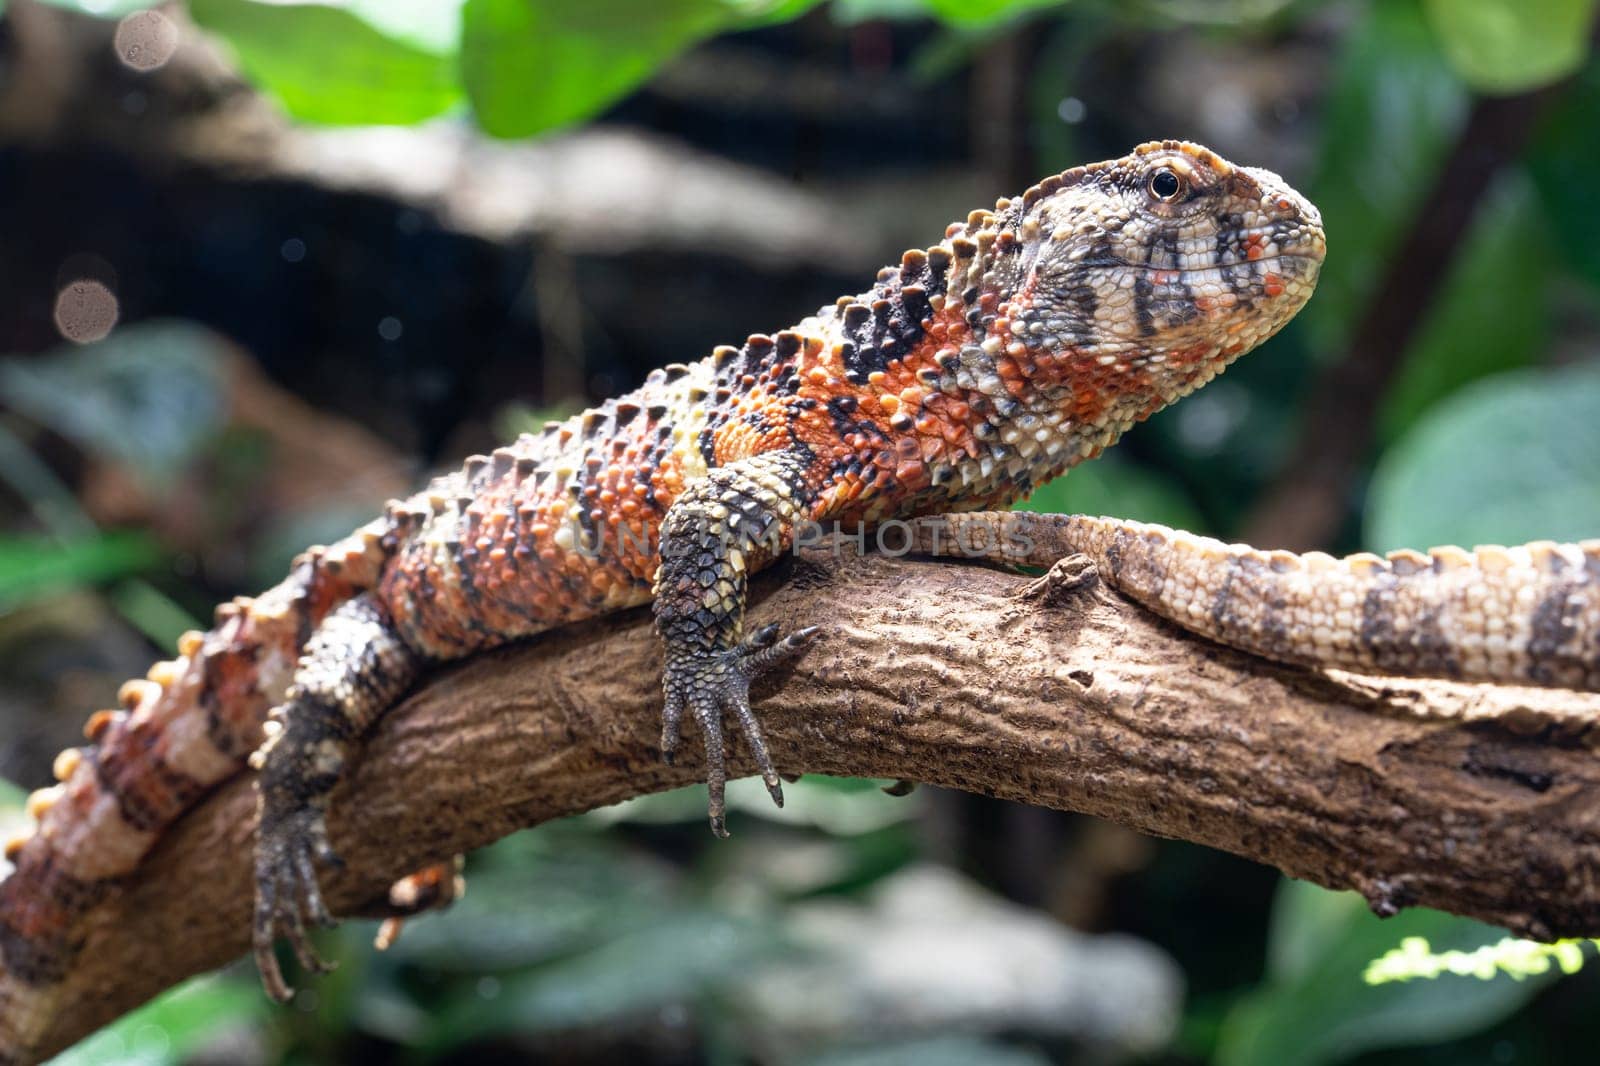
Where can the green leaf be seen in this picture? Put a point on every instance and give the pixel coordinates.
(1492, 314)
(149, 396)
(1306, 924)
(326, 65)
(31, 567)
(1112, 486)
(1317, 1008)
(983, 12)
(534, 65)
(1508, 459)
(432, 25)
(1510, 46)
(152, 612)
(1513, 957)
(1563, 159)
(169, 1029)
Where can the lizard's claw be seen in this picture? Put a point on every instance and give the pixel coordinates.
(707, 684)
(287, 894)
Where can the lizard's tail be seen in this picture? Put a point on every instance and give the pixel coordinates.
(1528, 614)
(1524, 614)
(188, 725)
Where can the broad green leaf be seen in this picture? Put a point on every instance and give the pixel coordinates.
(1306, 924)
(1511, 458)
(37, 566)
(1317, 1009)
(149, 395)
(1111, 486)
(1563, 159)
(533, 65)
(432, 25)
(982, 12)
(327, 65)
(169, 1029)
(1492, 313)
(1510, 46)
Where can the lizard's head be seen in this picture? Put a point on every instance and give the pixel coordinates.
(1161, 267)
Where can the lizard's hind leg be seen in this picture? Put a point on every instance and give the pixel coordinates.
(352, 670)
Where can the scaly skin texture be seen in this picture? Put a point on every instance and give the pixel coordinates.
(1027, 340)
(1528, 614)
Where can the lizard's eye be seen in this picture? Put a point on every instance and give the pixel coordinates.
(1165, 185)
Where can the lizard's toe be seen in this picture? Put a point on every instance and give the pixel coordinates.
(708, 684)
(287, 895)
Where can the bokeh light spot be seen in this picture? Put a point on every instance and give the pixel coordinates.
(389, 328)
(85, 311)
(293, 250)
(145, 40)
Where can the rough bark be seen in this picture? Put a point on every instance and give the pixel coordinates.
(1473, 799)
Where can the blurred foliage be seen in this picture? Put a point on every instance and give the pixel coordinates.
(1516, 958)
(526, 66)
(623, 921)
(37, 566)
(1512, 45)
(530, 67)
(1508, 459)
(1111, 486)
(329, 65)
(149, 396)
(1314, 1007)
(167, 1031)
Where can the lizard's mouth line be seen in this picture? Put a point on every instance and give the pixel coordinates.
(1308, 256)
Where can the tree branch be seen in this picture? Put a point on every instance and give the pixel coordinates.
(1473, 799)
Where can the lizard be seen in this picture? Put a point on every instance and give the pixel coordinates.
(1526, 614)
(1028, 339)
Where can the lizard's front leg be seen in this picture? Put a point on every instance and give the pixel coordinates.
(352, 670)
(714, 535)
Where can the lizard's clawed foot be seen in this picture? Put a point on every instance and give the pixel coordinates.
(430, 888)
(708, 683)
(1066, 576)
(287, 894)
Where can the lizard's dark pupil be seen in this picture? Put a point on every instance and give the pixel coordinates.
(1164, 184)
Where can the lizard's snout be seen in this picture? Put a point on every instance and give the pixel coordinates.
(1296, 224)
